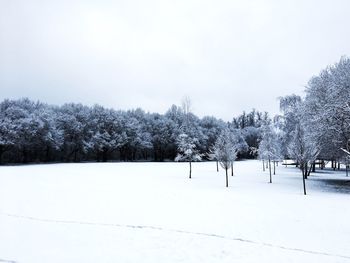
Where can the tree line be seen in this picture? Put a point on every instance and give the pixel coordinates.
(35, 132)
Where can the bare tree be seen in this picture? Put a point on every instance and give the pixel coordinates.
(186, 106)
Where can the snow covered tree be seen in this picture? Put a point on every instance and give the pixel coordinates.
(164, 134)
(290, 106)
(238, 140)
(304, 151)
(327, 108)
(133, 137)
(239, 143)
(141, 146)
(73, 120)
(300, 142)
(211, 129)
(106, 132)
(249, 125)
(8, 134)
(213, 155)
(49, 138)
(347, 158)
(226, 151)
(269, 147)
(187, 151)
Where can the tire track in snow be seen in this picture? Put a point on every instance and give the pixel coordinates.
(86, 223)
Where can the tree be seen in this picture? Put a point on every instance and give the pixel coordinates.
(327, 108)
(213, 155)
(269, 147)
(49, 138)
(211, 129)
(225, 150)
(164, 134)
(8, 134)
(347, 158)
(106, 132)
(289, 105)
(304, 151)
(249, 126)
(187, 151)
(36, 132)
(73, 120)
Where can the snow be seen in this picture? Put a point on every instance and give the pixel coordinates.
(152, 212)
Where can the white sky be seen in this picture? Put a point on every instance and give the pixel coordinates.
(227, 56)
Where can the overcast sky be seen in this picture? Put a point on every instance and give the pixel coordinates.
(227, 56)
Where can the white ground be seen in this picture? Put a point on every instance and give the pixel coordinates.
(152, 212)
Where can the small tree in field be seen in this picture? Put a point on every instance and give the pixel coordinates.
(225, 150)
(187, 151)
(269, 147)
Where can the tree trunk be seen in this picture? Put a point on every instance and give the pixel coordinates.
(217, 166)
(226, 178)
(306, 169)
(338, 165)
(231, 168)
(309, 171)
(190, 169)
(263, 166)
(346, 168)
(303, 172)
(47, 154)
(274, 167)
(2, 150)
(24, 155)
(270, 171)
(314, 167)
(104, 155)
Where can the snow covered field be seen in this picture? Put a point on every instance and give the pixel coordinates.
(152, 212)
